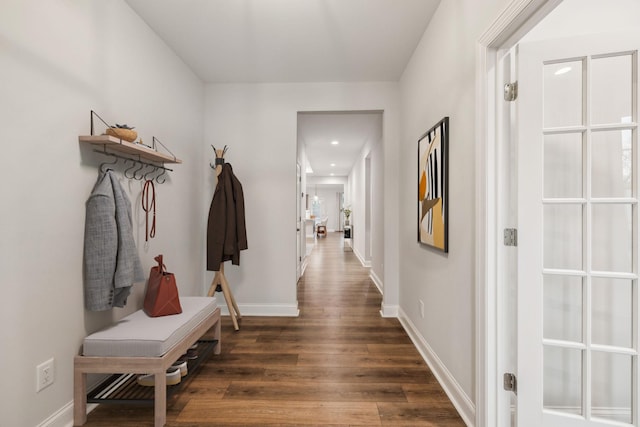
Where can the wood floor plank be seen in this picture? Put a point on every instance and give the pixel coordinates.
(416, 415)
(324, 392)
(392, 349)
(428, 394)
(399, 375)
(364, 361)
(235, 358)
(300, 349)
(289, 413)
(338, 364)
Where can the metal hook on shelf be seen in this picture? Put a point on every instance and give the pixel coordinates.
(164, 171)
(135, 173)
(102, 165)
(152, 171)
(133, 165)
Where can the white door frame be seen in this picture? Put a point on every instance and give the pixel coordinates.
(516, 19)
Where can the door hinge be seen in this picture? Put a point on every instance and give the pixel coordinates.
(510, 382)
(511, 237)
(511, 91)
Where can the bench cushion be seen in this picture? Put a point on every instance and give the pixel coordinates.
(139, 335)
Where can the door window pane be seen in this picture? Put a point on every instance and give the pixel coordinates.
(611, 305)
(563, 94)
(612, 237)
(563, 236)
(563, 165)
(611, 89)
(562, 307)
(562, 379)
(611, 165)
(611, 386)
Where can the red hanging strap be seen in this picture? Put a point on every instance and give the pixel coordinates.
(149, 205)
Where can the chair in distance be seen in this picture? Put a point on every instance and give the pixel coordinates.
(321, 228)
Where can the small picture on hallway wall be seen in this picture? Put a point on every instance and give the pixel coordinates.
(433, 186)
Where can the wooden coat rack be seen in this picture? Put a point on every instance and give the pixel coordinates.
(219, 282)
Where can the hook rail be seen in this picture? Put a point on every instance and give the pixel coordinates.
(106, 153)
(135, 162)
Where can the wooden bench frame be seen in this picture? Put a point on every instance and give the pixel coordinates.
(84, 365)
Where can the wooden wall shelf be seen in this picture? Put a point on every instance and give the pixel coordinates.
(117, 144)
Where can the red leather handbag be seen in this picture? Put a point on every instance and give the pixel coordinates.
(161, 297)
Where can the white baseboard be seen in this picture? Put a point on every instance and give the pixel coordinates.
(389, 310)
(63, 417)
(376, 281)
(465, 406)
(275, 310)
(366, 264)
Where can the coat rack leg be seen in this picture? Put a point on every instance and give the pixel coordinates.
(225, 284)
(220, 279)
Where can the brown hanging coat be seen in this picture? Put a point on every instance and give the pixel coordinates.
(226, 231)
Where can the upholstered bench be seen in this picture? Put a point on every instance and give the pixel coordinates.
(144, 345)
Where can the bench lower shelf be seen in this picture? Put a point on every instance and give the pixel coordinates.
(124, 388)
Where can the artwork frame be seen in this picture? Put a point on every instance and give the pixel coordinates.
(433, 187)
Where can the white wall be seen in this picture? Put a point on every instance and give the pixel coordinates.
(377, 215)
(439, 82)
(356, 197)
(58, 60)
(258, 122)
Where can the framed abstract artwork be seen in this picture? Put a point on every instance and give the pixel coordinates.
(433, 186)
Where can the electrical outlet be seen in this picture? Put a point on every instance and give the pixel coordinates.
(421, 306)
(45, 374)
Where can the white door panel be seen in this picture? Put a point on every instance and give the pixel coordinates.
(577, 114)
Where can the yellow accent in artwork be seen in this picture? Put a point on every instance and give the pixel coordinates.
(422, 187)
(438, 225)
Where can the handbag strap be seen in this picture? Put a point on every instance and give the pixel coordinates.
(149, 189)
(161, 267)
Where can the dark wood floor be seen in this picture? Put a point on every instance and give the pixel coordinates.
(337, 364)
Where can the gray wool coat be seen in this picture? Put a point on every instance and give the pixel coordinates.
(111, 262)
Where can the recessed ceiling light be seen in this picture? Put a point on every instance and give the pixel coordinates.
(335, 142)
(332, 174)
(562, 70)
(333, 164)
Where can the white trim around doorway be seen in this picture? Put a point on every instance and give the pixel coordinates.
(516, 19)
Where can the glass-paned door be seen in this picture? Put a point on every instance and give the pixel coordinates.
(578, 223)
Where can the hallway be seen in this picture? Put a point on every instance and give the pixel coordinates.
(337, 364)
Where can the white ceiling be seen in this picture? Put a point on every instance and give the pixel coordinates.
(351, 129)
(259, 41)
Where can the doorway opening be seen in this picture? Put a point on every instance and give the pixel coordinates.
(341, 163)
